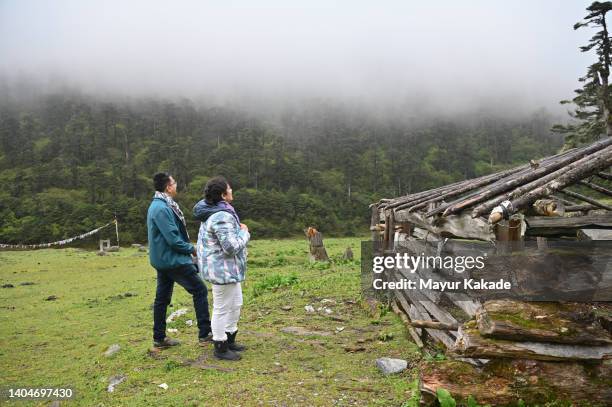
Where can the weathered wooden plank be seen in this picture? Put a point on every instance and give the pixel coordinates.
(471, 344)
(407, 323)
(568, 323)
(462, 226)
(594, 234)
(421, 313)
(419, 323)
(461, 300)
(599, 220)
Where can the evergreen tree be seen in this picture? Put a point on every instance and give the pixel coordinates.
(593, 101)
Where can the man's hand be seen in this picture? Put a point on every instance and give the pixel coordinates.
(244, 227)
(194, 253)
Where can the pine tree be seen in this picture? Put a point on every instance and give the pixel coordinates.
(593, 101)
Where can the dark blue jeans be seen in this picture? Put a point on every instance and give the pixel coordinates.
(187, 277)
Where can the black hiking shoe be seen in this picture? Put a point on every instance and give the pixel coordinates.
(205, 340)
(231, 342)
(166, 343)
(223, 352)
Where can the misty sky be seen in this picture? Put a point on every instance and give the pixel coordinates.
(447, 54)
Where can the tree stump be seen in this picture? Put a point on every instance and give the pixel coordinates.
(317, 250)
(348, 254)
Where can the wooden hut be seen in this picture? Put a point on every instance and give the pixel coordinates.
(504, 349)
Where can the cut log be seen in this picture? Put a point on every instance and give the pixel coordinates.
(548, 207)
(348, 254)
(317, 250)
(471, 344)
(568, 323)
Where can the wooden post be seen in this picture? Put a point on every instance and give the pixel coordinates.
(317, 250)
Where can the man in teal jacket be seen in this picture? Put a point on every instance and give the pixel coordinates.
(170, 253)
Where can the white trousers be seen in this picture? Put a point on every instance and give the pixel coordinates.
(227, 300)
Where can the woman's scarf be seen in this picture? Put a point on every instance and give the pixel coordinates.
(229, 208)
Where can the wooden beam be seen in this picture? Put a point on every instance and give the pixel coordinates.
(603, 221)
(462, 226)
(580, 208)
(606, 176)
(415, 337)
(596, 187)
(586, 199)
(434, 325)
(471, 344)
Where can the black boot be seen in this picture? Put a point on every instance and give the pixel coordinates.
(231, 341)
(223, 352)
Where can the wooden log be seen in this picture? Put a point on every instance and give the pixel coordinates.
(596, 187)
(567, 323)
(592, 201)
(550, 183)
(579, 169)
(606, 176)
(434, 325)
(580, 208)
(375, 224)
(415, 337)
(317, 249)
(574, 222)
(471, 344)
(520, 171)
(348, 254)
(556, 166)
(460, 189)
(564, 201)
(548, 207)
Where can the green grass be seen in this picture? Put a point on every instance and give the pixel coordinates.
(61, 342)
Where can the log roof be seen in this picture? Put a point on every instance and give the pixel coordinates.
(518, 188)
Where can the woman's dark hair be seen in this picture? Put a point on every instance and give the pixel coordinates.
(214, 188)
(160, 181)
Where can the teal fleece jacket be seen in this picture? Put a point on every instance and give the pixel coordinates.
(169, 245)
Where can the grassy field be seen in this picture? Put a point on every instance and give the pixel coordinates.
(105, 300)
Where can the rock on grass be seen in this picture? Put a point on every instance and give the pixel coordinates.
(390, 366)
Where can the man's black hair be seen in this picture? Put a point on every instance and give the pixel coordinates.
(161, 181)
(214, 188)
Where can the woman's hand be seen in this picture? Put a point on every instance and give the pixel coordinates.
(244, 227)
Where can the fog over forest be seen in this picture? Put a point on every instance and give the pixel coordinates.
(398, 57)
(313, 110)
